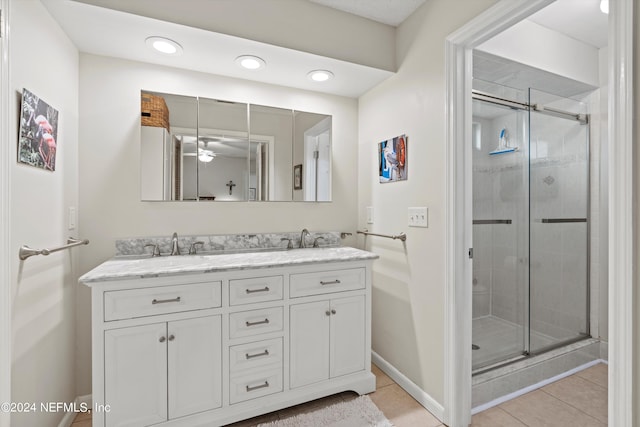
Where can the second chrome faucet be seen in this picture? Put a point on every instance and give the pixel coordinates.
(303, 238)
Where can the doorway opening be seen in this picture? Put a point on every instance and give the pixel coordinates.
(459, 294)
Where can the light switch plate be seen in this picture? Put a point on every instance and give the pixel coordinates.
(72, 218)
(369, 214)
(418, 217)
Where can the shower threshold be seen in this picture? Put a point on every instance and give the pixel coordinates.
(528, 355)
(495, 384)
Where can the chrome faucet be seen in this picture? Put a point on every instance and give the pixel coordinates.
(303, 237)
(175, 249)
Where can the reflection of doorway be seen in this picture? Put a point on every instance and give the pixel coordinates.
(317, 162)
(5, 243)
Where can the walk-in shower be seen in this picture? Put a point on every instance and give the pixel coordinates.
(530, 223)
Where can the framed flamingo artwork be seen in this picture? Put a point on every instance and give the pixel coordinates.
(37, 143)
(392, 159)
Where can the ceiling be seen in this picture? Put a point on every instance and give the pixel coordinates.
(579, 19)
(104, 31)
(100, 29)
(390, 12)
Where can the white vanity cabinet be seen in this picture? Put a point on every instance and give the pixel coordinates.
(162, 371)
(327, 339)
(215, 346)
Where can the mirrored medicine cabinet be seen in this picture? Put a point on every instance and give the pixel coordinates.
(200, 149)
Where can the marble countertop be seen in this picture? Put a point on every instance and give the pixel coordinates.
(136, 268)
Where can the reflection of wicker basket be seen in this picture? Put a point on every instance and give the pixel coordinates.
(154, 111)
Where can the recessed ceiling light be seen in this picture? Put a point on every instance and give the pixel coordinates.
(604, 6)
(320, 75)
(250, 62)
(164, 45)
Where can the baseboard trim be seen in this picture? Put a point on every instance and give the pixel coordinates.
(429, 403)
(79, 403)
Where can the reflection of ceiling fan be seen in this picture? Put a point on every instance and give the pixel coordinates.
(205, 155)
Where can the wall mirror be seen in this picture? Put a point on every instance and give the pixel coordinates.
(200, 149)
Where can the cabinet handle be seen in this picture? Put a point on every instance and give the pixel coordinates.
(333, 282)
(162, 339)
(328, 313)
(172, 337)
(251, 356)
(257, 387)
(333, 311)
(261, 322)
(252, 291)
(162, 301)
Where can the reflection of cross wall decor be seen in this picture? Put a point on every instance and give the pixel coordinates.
(230, 184)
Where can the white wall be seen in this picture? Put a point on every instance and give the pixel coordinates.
(109, 164)
(409, 280)
(294, 24)
(529, 43)
(45, 62)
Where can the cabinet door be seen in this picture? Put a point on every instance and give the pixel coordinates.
(194, 365)
(309, 343)
(347, 352)
(136, 375)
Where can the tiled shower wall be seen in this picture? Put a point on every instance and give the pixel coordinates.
(558, 251)
(499, 194)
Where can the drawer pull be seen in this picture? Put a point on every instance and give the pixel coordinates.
(261, 322)
(163, 301)
(251, 356)
(252, 291)
(257, 387)
(333, 282)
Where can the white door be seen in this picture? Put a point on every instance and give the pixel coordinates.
(317, 162)
(323, 168)
(309, 343)
(347, 345)
(194, 365)
(136, 375)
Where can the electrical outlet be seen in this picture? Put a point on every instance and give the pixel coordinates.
(369, 214)
(418, 217)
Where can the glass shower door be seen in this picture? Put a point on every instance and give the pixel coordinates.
(500, 231)
(559, 201)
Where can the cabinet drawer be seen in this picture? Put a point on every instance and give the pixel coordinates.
(255, 289)
(324, 282)
(132, 303)
(254, 355)
(254, 385)
(254, 322)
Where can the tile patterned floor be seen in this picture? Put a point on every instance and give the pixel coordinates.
(579, 400)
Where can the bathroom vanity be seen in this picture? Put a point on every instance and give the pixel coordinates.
(210, 340)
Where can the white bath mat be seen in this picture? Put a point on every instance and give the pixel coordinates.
(359, 412)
